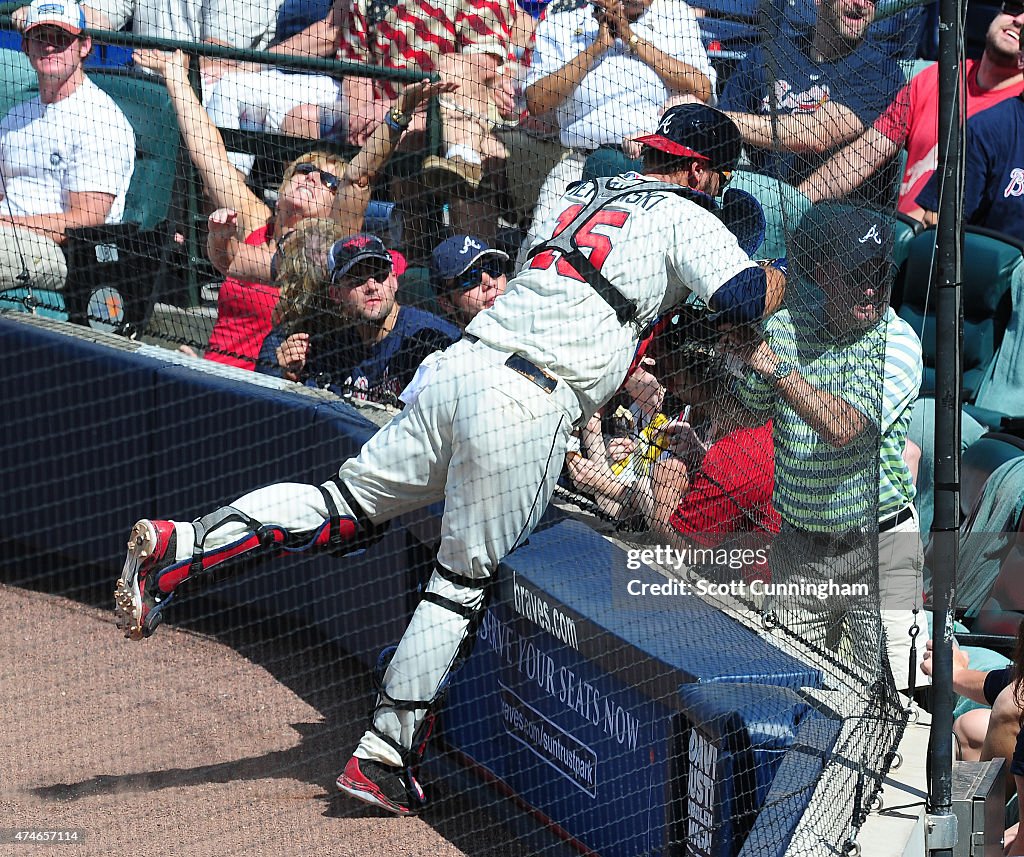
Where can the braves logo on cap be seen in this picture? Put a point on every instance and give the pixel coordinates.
(469, 244)
(872, 235)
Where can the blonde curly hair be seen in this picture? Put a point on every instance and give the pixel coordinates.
(301, 267)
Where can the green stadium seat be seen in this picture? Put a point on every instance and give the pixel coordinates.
(17, 80)
(992, 264)
(905, 230)
(783, 207)
(117, 271)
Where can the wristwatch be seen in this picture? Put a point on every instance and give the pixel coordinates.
(397, 120)
(782, 371)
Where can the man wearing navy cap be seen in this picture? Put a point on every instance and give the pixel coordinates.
(357, 341)
(487, 431)
(468, 275)
(837, 372)
(66, 156)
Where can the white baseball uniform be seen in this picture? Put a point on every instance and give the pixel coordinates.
(489, 440)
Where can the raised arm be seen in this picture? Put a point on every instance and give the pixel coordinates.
(847, 169)
(353, 194)
(550, 91)
(677, 75)
(223, 183)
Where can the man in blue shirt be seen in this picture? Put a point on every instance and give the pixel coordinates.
(993, 171)
(796, 98)
(361, 343)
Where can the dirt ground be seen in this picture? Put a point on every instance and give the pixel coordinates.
(190, 744)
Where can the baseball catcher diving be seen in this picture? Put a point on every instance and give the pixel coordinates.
(486, 428)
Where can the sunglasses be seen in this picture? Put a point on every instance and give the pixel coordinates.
(472, 277)
(53, 37)
(328, 180)
(361, 272)
(1013, 8)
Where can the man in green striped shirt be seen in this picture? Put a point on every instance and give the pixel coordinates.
(838, 371)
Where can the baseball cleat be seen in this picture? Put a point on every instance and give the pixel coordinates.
(392, 789)
(138, 601)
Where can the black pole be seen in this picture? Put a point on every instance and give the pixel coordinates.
(948, 373)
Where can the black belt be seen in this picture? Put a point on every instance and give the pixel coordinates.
(518, 363)
(841, 542)
(904, 514)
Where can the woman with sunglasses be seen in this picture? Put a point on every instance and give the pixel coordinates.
(244, 231)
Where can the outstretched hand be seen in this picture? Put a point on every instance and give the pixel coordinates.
(223, 223)
(292, 355)
(164, 63)
(422, 91)
(961, 660)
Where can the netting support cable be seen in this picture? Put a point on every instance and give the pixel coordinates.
(946, 278)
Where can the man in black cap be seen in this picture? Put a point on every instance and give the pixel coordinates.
(486, 427)
(837, 373)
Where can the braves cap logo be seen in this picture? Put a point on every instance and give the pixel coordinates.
(666, 125)
(467, 244)
(872, 235)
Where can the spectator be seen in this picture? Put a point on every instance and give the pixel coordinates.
(912, 121)
(354, 338)
(797, 99)
(727, 486)
(712, 472)
(468, 275)
(465, 41)
(608, 70)
(66, 156)
(838, 380)
(995, 732)
(243, 229)
(993, 172)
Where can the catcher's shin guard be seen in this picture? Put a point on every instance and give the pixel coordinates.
(412, 678)
(159, 560)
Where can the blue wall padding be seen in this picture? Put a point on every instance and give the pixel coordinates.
(588, 576)
(795, 780)
(749, 729)
(572, 697)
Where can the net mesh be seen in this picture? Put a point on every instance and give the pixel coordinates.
(222, 269)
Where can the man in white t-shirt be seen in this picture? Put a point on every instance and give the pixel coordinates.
(607, 69)
(66, 156)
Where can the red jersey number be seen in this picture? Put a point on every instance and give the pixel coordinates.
(600, 245)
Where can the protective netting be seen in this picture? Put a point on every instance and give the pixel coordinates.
(222, 269)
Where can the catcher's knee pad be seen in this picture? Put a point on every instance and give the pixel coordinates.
(345, 533)
(472, 614)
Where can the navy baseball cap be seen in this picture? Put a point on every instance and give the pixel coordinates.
(848, 235)
(698, 131)
(345, 253)
(456, 255)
